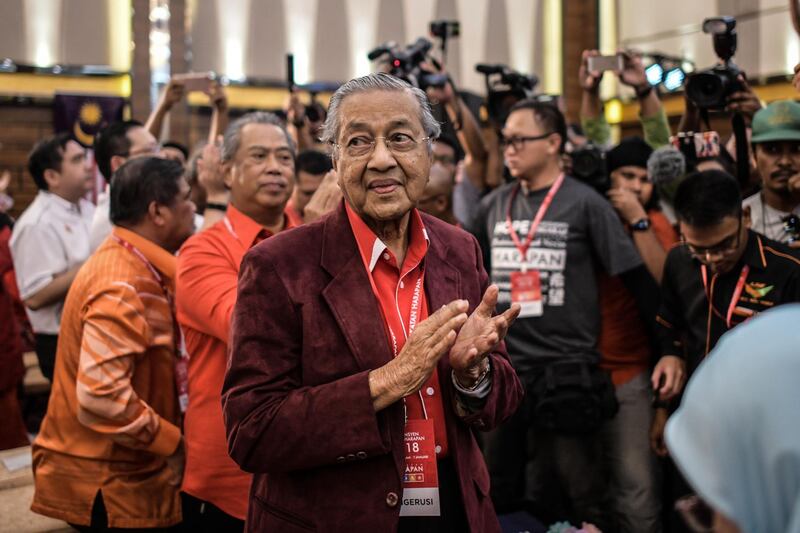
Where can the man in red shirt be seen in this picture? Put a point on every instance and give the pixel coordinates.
(258, 166)
(353, 407)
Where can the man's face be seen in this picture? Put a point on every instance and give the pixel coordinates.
(381, 184)
(718, 247)
(75, 178)
(168, 152)
(261, 174)
(179, 218)
(142, 144)
(778, 162)
(633, 179)
(444, 156)
(307, 185)
(530, 157)
(436, 198)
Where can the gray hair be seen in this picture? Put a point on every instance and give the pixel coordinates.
(377, 82)
(233, 135)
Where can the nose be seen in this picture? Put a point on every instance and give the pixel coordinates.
(381, 159)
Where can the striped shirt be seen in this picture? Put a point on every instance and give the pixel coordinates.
(113, 414)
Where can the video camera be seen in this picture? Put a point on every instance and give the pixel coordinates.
(589, 166)
(504, 88)
(710, 88)
(405, 63)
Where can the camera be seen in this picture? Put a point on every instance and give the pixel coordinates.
(405, 63)
(505, 87)
(444, 29)
(710, 88)
(589, 166)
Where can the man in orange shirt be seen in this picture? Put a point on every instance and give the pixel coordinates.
(110, 452)
(258, 159)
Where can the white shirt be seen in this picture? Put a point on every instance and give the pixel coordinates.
(50, 237)
(101, 223)
(767, 220)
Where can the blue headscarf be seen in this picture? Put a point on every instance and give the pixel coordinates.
(736, 436)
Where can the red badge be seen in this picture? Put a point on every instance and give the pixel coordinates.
(421, 480)
(526, 290)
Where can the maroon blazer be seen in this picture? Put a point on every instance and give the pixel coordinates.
(306, 332)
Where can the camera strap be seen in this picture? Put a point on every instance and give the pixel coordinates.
(742, 151)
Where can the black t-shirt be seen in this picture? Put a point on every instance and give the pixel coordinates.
(683, 319)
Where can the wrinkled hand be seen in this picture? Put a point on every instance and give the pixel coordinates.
(325, 199)
(627, 204)
(217, 96)
(657, 443)
(430, 340)
(479, 336)
(172, 94)
(589, 80)
(210, 173)
(176, 463)
(632, 73)
(745, 101)
(673, 370)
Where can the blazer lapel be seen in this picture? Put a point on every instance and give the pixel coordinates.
(350, 296)
(442, 281)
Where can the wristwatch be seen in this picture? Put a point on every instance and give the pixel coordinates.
(217, 207)
(641, 225)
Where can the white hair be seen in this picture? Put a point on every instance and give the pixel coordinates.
(377, 82)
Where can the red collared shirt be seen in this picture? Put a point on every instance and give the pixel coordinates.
(400, 292)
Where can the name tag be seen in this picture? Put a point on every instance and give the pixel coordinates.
(526, 290)
(421, 478)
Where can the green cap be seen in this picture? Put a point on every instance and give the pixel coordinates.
(779, 121)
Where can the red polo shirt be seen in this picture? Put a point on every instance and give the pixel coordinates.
(400, 292)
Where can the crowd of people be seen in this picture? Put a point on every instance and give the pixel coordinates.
(362, 318)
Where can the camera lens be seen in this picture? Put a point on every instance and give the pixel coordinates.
(706, 89)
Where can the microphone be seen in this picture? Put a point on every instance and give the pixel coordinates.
(665, 165)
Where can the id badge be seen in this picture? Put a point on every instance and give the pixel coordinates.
(526, 290)
(421, 478)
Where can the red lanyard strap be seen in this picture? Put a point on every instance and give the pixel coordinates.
(523, 247)
(737, 291)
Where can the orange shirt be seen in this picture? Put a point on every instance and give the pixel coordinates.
(395, 289)
(113, 413)
(623, 344)
(208, 271)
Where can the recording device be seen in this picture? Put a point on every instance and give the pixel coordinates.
(710, 88)
(696, 145)
(589, 166)
(195, 81)
(603, 63)
(445, 29)
(290, 72)
(665, 165)
(505, 87)
(405, 63)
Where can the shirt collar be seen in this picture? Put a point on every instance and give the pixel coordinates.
(246, 229)
(371, 247)
(754, 251)
(162, 260)
(61, 203)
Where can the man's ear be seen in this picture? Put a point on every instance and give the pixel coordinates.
(227, 174)
(747, 219)
(116, 162)
(155, 213)
(554, 144)
(52, 177)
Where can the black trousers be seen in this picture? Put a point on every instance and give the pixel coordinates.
(205, 517)
(100, 522)
(452, 518)
(46, 345)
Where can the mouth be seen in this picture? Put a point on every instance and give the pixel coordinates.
(383, 186)
(782, 175)
(273, 186)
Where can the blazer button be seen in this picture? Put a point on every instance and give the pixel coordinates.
(340, 459)
(351, 457)
(392, 499)
(361, 455)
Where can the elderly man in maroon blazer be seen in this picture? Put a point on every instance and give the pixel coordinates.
(364, 347)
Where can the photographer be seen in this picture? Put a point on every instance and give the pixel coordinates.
(543, 237)
(304, 122)
(652, 116)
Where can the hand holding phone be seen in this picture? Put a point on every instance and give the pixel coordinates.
(602, 63)
(195, 81)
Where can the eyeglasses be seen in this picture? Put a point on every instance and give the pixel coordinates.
(727, 246)
(696, 513)
(397, 143)
(518, 142)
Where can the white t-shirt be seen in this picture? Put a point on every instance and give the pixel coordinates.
(101, 222)
(50, 237)
(767, 220)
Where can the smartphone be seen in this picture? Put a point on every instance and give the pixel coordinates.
(196, 81)
(290, 72)
(602, 63)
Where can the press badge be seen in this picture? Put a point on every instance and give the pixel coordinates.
(526, 290)
(421, 480)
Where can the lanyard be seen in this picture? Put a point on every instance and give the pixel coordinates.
(182, 356)
(737, 292)
(523, 247)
